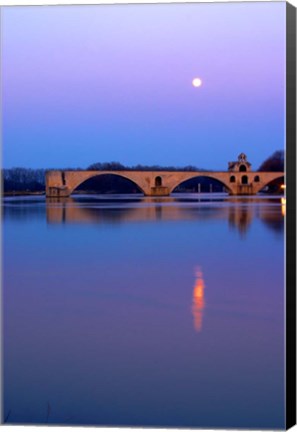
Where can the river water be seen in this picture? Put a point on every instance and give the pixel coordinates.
(126, 310)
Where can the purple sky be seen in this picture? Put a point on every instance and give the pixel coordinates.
(84, 84)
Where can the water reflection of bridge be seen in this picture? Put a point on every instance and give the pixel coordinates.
(238, 211)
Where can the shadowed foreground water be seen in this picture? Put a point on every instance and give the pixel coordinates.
(125, 310)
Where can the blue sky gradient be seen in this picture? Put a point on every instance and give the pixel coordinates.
(84, 84)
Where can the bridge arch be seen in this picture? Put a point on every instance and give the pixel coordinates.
(271, 180)
(195, 175)
(82, 179)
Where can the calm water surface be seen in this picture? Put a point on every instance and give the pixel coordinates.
(125, 310)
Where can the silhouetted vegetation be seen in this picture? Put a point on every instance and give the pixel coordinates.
(107, 166)
(117, 166)
(20, 180)
(23, 179)
(275, 162)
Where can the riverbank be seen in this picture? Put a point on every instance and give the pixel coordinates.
(21, 193)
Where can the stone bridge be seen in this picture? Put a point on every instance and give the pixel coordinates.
(238, 180)
(161, 183)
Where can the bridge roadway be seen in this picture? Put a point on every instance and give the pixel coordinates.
(162, 183)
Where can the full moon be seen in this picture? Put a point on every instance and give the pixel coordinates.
(197, 82)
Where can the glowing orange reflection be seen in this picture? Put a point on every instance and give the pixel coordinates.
(198, 300)
(283, 200)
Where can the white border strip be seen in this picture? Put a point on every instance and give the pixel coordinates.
(96, 2)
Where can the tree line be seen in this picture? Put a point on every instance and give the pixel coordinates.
(117, 166)
(275, 162)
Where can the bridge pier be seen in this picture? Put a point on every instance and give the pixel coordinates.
(159, 191)
(242, 189)
(58, 192)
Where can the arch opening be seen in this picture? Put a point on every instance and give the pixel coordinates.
(107, 184)
(275, 186)
(232, 179)
(201, 184)
(257, 179)
(242, 168)
(158, 181)
(244, 180)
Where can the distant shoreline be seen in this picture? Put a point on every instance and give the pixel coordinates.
(22, 193)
